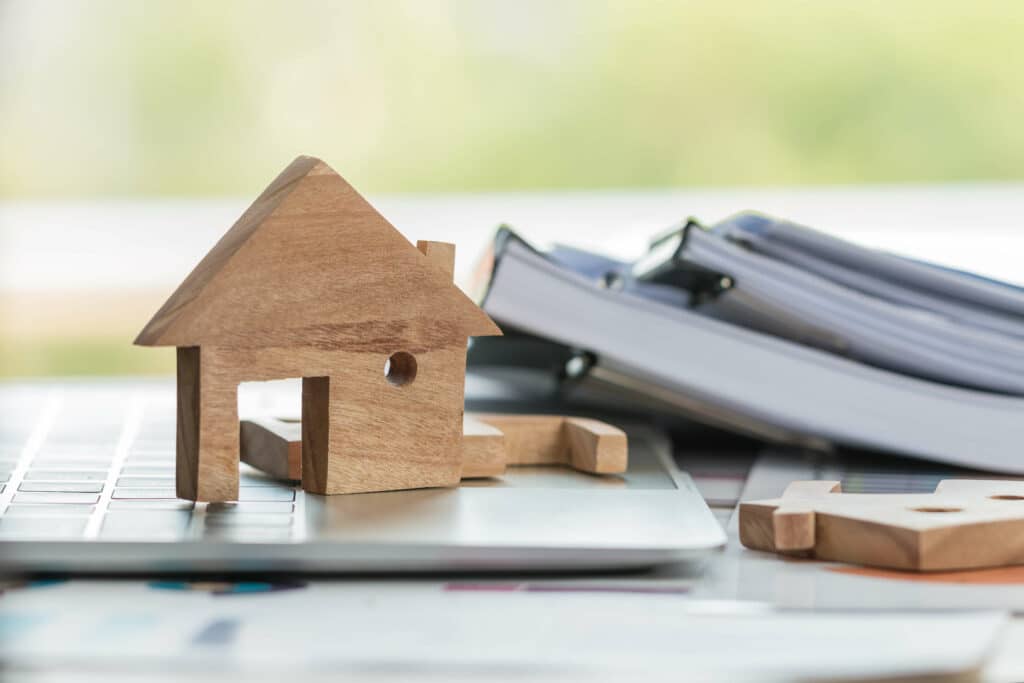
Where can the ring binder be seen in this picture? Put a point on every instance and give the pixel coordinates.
(665, 264)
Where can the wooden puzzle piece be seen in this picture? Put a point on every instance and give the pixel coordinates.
(581, 443)
(964, 524)
(313, 282)
(489, 444)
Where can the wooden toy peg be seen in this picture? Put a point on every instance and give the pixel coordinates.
(313, 282)
(964, 524)
(793, 521)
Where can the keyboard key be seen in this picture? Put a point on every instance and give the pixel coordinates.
(157, 463)
(247, 534)
(145, 525)
(150, 504)
(265, 494)
(152, 453)
(42, 527)
(245, 508)
(143, 493)
(65, 475)
(148, 470)
(65, 464)
(157, 446)
(62, 486)
(146, 482)
(253, 519)
(50, 497)
(67, 454)
(256, 493)
(69, 510)
(150, 517)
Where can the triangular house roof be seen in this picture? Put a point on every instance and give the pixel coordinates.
(312, 263)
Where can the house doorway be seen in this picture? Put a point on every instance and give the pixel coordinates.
(279, 398)
(300, 403)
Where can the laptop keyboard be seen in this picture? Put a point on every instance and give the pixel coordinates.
(96, 462)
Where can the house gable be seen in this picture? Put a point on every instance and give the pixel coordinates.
(311, 263)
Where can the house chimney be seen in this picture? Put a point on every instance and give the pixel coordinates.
(442, 254)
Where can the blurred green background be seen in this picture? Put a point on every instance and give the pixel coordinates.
(122, 98)
(105, 98)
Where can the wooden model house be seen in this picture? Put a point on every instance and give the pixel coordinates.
(312, 282)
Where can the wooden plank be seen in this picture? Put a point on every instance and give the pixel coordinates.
(315, 435)
(187, 439)
(206, 452)
(273, 446)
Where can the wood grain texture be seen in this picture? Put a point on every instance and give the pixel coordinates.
(530, 439)
(207, 452)
(965, 524)
(312, 260)
(441, 254)
(483, 450)
(316, 433)
(313, 282)
(581, 443)
(793, 529)
(587, 445)
(793, 522)
(273, 446)
(595, 446)
(187, 429)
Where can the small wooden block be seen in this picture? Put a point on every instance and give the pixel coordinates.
(964, 524)
(596, 446)
(440, 254)
(273, 446)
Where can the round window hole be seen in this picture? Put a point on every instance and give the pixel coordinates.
(1006, 496)
(400, 369)
(937, 509)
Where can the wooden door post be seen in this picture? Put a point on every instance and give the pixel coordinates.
(207, 438)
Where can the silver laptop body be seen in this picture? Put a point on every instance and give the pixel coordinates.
(87, 477)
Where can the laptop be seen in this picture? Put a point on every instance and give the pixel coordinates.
(87, 486)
